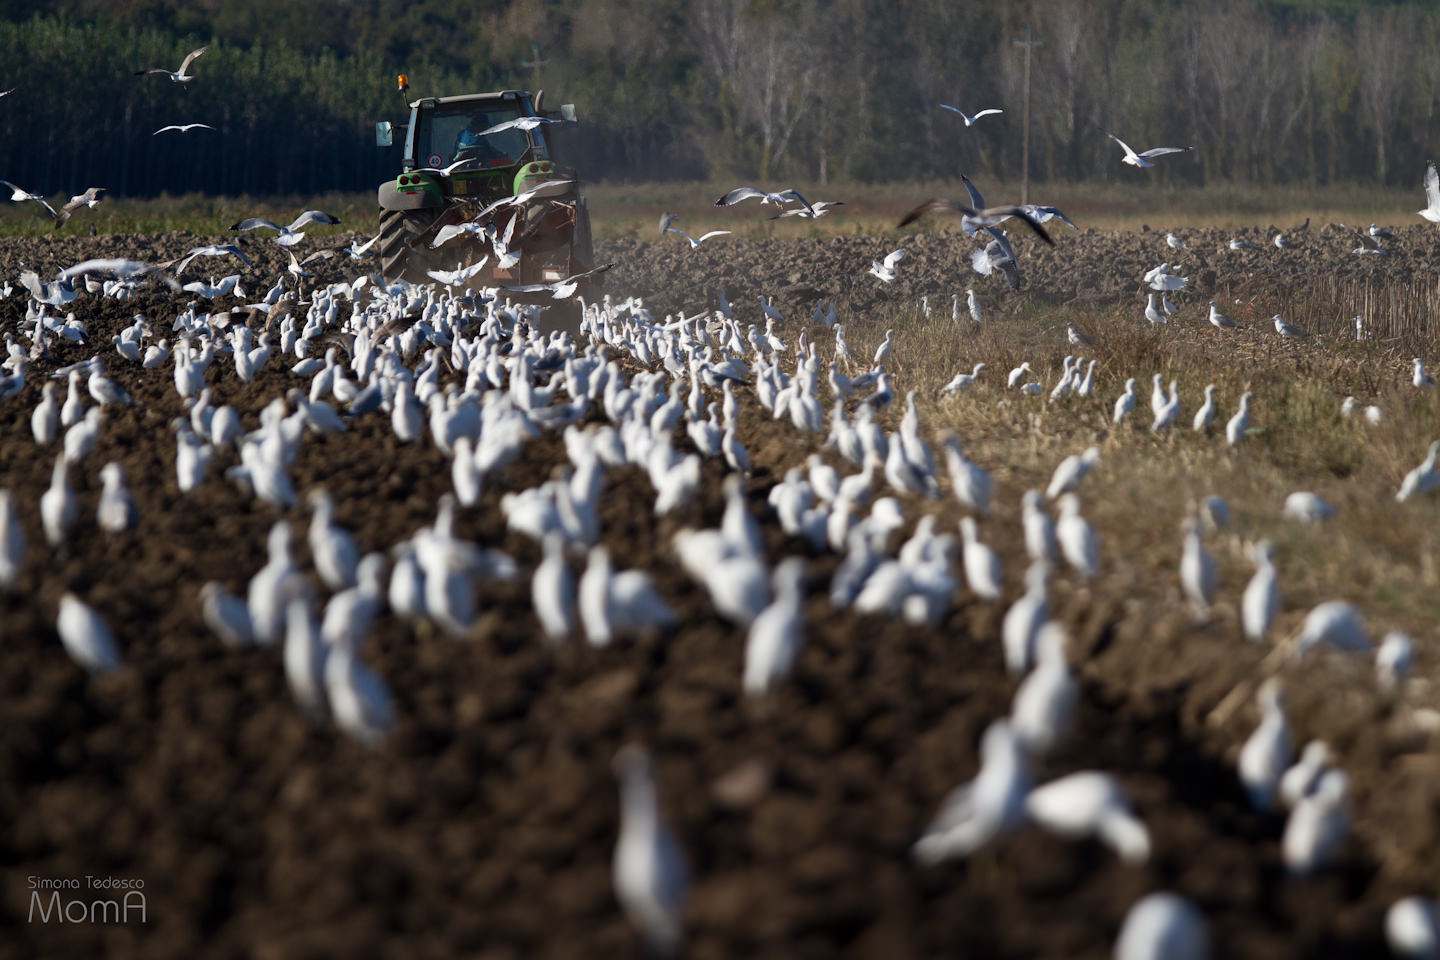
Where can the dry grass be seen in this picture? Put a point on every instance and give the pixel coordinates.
(1375, 552)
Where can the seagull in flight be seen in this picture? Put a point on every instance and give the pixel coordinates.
(288, 235)
(988, 217)
(18, 195)
(666, 219)
(561, 289)
(183, 128)
(90, 198)
(358, 250)
(447, 171)
(816, 210)
(779, 199)
(178, 76)
(885, 269)
(1143, 159)
(969, 120)
(519, 123)
(213, 250)
(703, 237)
(1432, 193)
(124, 269)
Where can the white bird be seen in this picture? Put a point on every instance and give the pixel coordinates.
(1317, 826)
(1205, 416)
(1306, 506)
(1040, 542)
(1198, 573)
(552, 590)
(58, 507)
(885, 269)
(227, 615)
(1125, 403)
(1335, 623)
(1286, 330)
(1174, 242)
(117, 511)
(45, 419)
(1237, 244)
(1157, 394)
(1218, 319)
(182, 127)
(1281, 243)
(290, 234)
(1265, 756)
(773, 642)
(176, 76)
(1152, 312)
(1075, 336)
(1022, 623)
(18, 195)
(80, 439)
(1412, 924)
(1163, 926)
(12, 542)
(1421, 379)
(977, 812)
(964, 381)
(332, 548)
(1300, 780)
(780, 199)
(1239, 425)
(102, 389)
(1393, 660)
(1017, 375)
(649, 871)
(1143, 159)
(694, 241)
(1077, 538)
(972, 302)
(1423, 478)
(968, 118)
(86, 636)
(981, 563)
(1432, 194)
(359, 700)
(304, 657)
(1044, 706)
(1261, 600)
(882, 352)
(1091, 803)
(1071, 471)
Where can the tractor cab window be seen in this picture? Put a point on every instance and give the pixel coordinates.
(458, 132)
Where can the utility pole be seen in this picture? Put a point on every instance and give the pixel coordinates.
(534, 63)
(1029, 43)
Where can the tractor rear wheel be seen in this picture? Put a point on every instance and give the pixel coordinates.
(401, 257)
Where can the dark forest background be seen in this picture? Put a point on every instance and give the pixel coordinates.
(814, 90)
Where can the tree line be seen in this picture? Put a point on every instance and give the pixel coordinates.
(813, 90)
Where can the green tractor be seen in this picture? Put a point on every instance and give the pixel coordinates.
(462, 156)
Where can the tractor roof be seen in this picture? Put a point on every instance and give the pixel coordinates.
(472, 97)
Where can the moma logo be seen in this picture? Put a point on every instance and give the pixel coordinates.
(47, 905)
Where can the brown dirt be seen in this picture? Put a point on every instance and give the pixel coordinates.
(485, 824)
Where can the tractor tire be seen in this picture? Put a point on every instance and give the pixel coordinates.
(401, 258)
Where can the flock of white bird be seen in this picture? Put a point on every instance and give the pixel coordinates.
(638, 381)
(473, 376)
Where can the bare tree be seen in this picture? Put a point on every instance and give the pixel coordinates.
(1382, 49)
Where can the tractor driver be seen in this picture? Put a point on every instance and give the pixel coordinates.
(470, 138)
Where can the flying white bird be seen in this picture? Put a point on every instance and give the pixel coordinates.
(17, 194)
(885, 269)
(519, 123)
(1143, 159)
(177, 76)
(183, 128)
(703, 237)
(1432, 194)
(288, 235)
(970, 120)
(780, 199)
